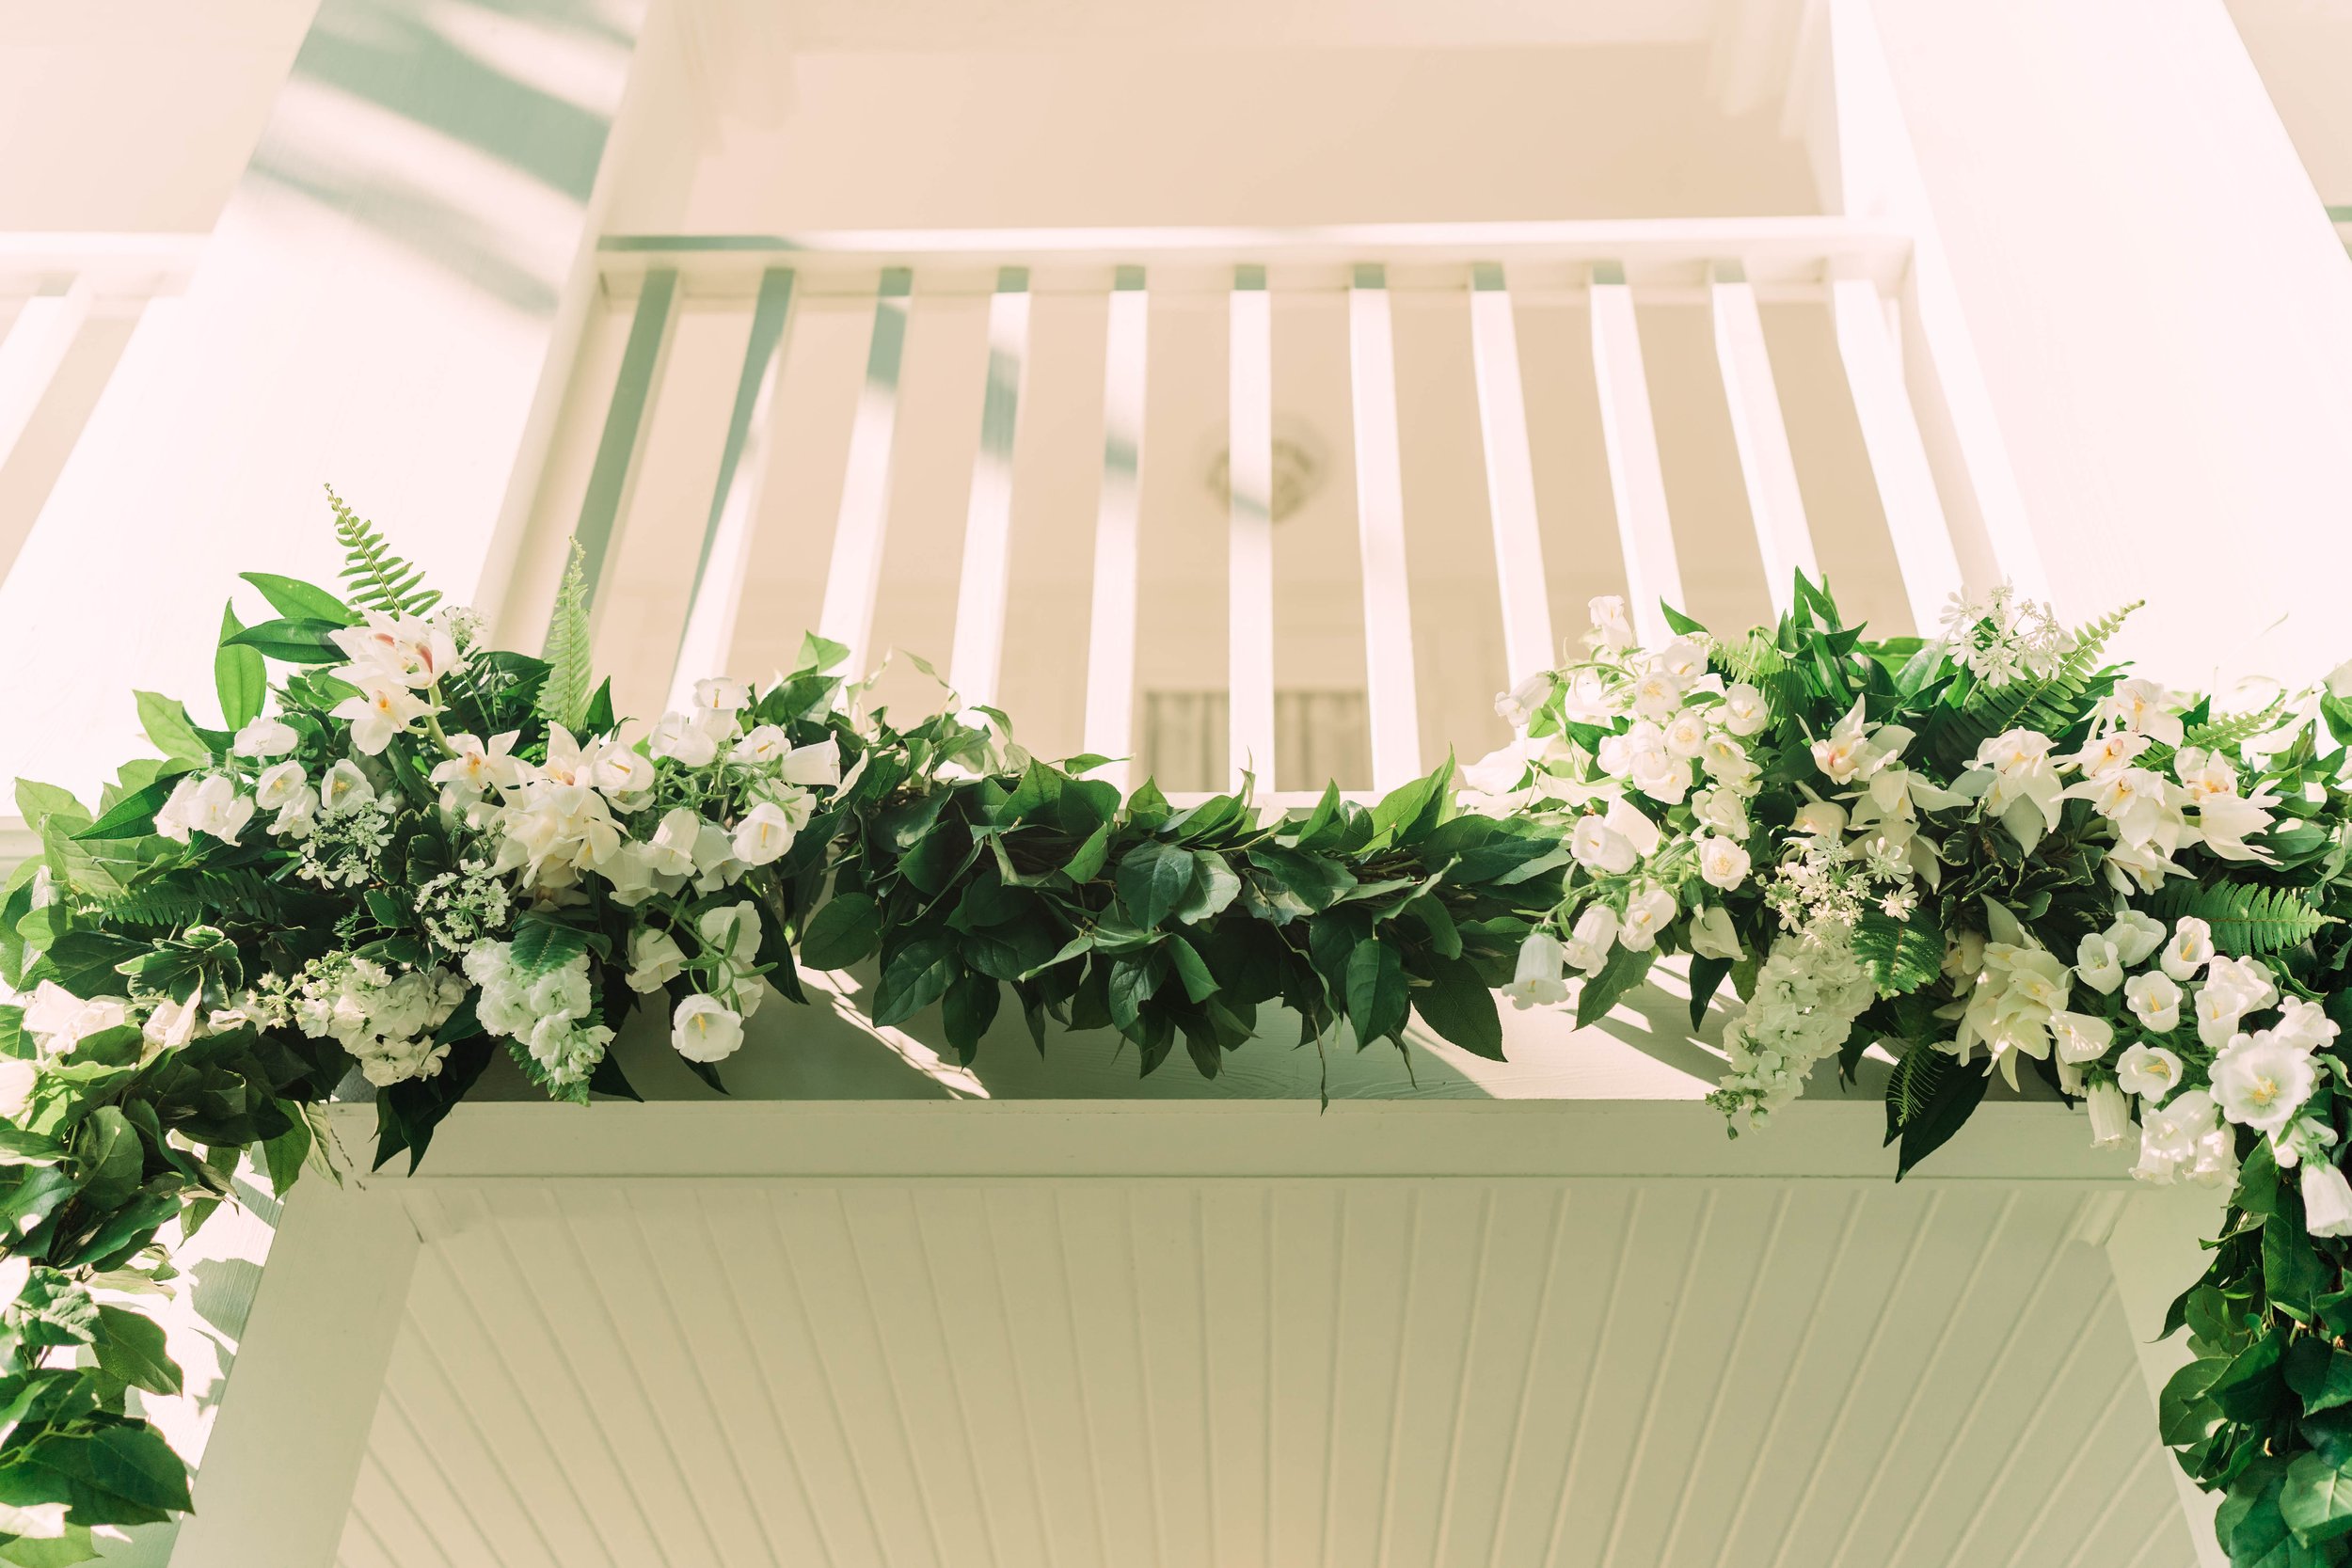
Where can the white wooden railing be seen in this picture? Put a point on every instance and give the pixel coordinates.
(67, 302)
(1853, 273)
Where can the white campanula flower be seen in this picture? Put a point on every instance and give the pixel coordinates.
(1538, 980)
(382, 709)
(2190, 949)
(1590, 699)
(207, 803)
(2009, 1007)
(721, 694)
(2145, 707)
(2327, 1200)
(1495, 782)
(2136, 936)
(2155, 1000)
(625, 775)
(1648, 912)
(1686, 733)
(1611, 629)
(1712, 935)
(2232, 989)
(2304, 1025)
(655, 959)
(670, 850)
(630, 870)
(1520, 704)
(1657, 693)
(2149, 1071)
(1684, 659)
(764, 744)
(704, 1029)
(2260, 1082)
(1723, 811)
(715, 865)
(1587, 947)
(2098, 964)
(266, 736)
(817, 764)
(172, 1024)
(1728, 764)
(2182, 1138)
(2111, 1113)
(764, 834)
(2340, 681)
(280, 783)
(2081, 1037)
(1744, 711)
(685, 738)
(1723, 861)
(343, 787)
(1597, 849)
(2305, 1138)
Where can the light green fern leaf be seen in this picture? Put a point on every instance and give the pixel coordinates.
(2245, 919)
(564, 698)
(375, 577)
(1911, 1085)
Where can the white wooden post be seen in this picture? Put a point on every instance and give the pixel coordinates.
(275, 1481)
(1630, 438)
(1380, 533)
(1774, 506)
(1111, 626)
(1249, 477)
(854, 579)
(1527, 645)
(1898, 459)
(2155, 1253)
(979, 645)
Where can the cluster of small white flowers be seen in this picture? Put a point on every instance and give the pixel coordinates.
(460, 908)
(384, 1020)
(1808, 992)
(2003, 638)
(397, 662)
(345, 848)
(547, 1012)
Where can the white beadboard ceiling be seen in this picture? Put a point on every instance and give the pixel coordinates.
(1263, 1372)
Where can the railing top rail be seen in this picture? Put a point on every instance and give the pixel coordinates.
(111, 261)
(1649, 250)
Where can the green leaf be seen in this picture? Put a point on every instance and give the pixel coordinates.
(2316, 1501)
(113, 1158)
(283, 1154)
(1458, 1005)
(1199, 984)
(844, 930)
(2294, 1273)
(819, 655)
(134, 816)
(239, 675)
(130, 1347)
(375, 576)
(1087, 864)
(301, 601)
(1376, 990)
(968, 1007)
(543, 945)
(1683, 626)
(1707, 977)
(1154, 879)
(1410, 810)
(167, 724)
(2245, 919)
(914, 978)
(292, 642)
(134, 1462)
(1624, 970)
(2252, 1387)
(1212, 890)
(1944, 1110)
(2183, 1414)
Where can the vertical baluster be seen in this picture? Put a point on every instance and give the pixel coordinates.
(31, 351)
(1898, 459)
(1380, 532)
(979, 645)
(1249, 601)
(1651, 572)
(855, 576)
(626, 421)
(1111, 631)
(1527, 644)
(725, 556)
(1757, 431)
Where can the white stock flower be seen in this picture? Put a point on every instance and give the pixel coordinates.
(2260, 1082)
(2098, 964)
(706, 1029)
(2155, 1000)
(266, 736)
(655, 958)
(1648, 912)
(1721, 863)
(1539, 979)
(2111, 1113)
(2149, 1071)
(2136, 936)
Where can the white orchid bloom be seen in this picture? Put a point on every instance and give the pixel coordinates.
(2107, 754)
(2226, 819)
(2145, 707)
(1845, 752)
(382, 708)
(476, 767)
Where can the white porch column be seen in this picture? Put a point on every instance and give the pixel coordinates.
(388, 304)
(2161, 311)
(275, 1486)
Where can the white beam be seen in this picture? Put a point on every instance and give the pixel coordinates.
(32, 350)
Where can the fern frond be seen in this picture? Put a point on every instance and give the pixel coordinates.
(2234, 730)
(375, 577)
(1912, 1086)
(2050, 704)
(2246, 919)
(184, 897)
(1755, 658)
(564, 696)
